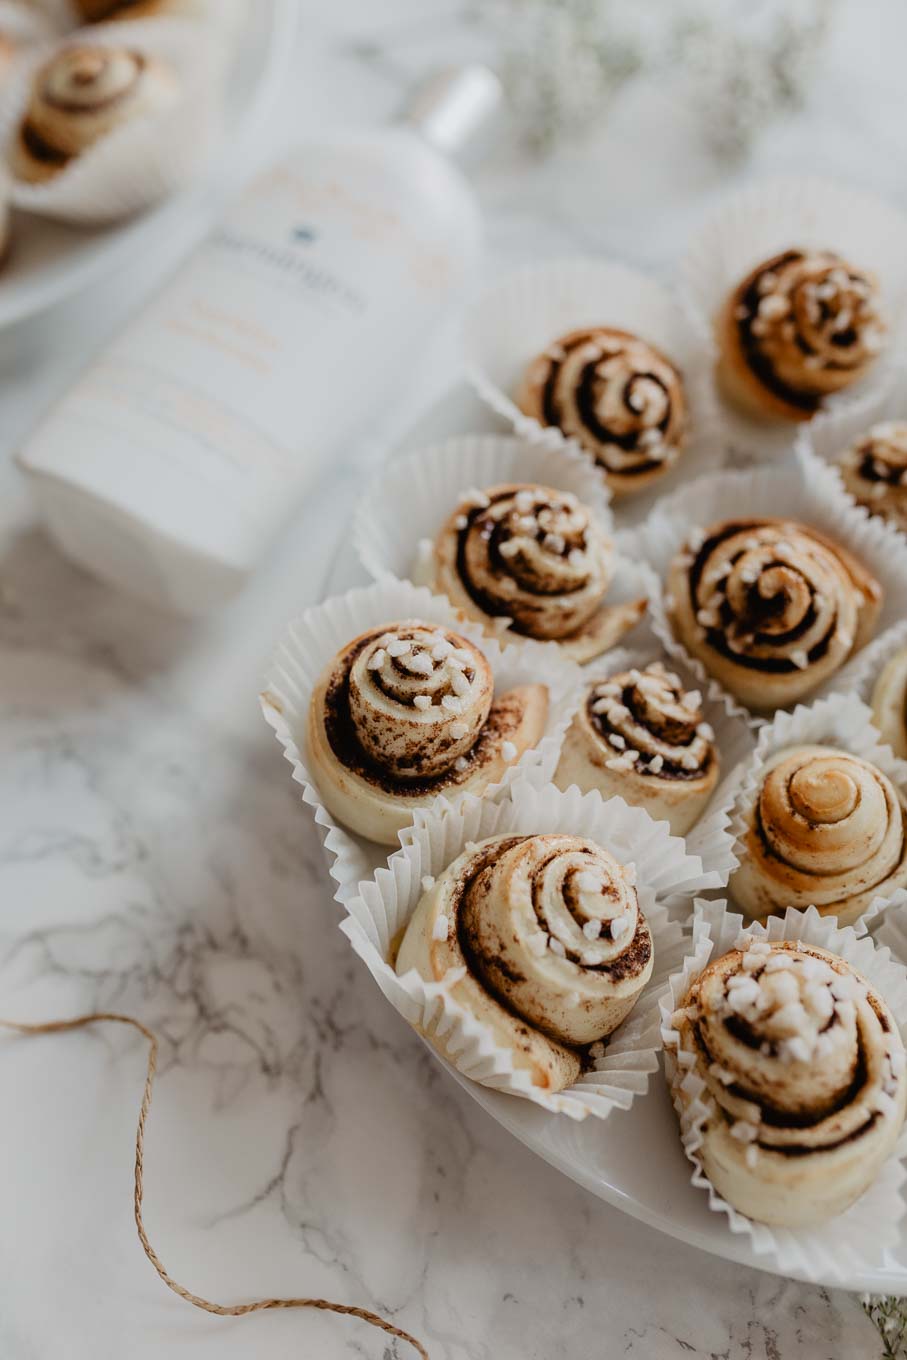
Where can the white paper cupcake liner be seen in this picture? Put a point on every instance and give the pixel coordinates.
(832, 433)
(517, 319)
(859, 676)
(762, 219)
(803, 490)
(143, 161)
(839, 720)
(889, 929)
(398, 517)
(711, 836)
(858, 1239)
(313, 639)
(665, 870)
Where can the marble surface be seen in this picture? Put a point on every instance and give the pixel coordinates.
(154, 858)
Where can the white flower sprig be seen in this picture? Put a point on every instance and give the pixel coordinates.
(889, 1315)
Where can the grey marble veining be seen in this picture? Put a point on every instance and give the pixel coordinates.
(155, 859)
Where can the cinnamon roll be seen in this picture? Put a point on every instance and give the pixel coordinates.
(770, 607)
(546, 944)
(889, 703)
(536, 557)
(81, 95)
(406, 712)
(827, 829)
(618, 396)
(641, 736)
(799, 327)
(874, 471)
(803, 1074)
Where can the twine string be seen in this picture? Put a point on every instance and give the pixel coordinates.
(219, 1309)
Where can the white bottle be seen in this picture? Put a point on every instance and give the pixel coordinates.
(172, 463)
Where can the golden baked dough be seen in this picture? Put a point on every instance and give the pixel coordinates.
(827, 829)
(770, 607)
(81, 95)
(874, 471)
(407, 712)
(618, 396)
(804, 1079)
(799, 327)
(639, 735)
(535, 556)
(553, 947)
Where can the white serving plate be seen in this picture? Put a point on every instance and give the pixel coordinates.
(633, 1159)
(50, 261)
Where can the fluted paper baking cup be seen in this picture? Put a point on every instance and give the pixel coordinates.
(384, 906)
(860, 675)
(517, 319)
(397, 519)
(802, 490)
(832, 433)
(144, 160)
(311, 642)
(889, 929)
(859, 1238)
(711, 836)
(761, 220)
(412, 496)
(839, 720)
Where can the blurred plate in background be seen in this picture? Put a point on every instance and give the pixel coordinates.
(50, 261)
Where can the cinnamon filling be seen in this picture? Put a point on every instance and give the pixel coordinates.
(758, 361)
(762, 610)
(495, 532)
(39, 148)
(586, 408)
(672, 732)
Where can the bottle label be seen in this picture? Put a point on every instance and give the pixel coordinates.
(274, 337)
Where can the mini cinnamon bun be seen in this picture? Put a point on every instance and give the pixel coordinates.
(638, 734)
(802, 1073)
(536, 557)
(407, 712)
(874, 471)
(827, 829)
(80, 96)
(770, 607)
(799, 327)
(548, 943)
(621, 399)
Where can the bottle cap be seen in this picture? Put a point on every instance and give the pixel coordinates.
(456, 108)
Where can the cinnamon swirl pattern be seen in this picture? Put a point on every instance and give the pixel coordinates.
(641, 736)
(406, 712)
(799, 327)
(542, 939)
(802, 1070)
(827, 829)
(618, 396)
(874, 471)
(81, 95)
(536, 557)
(770, 607)
(889, 703)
